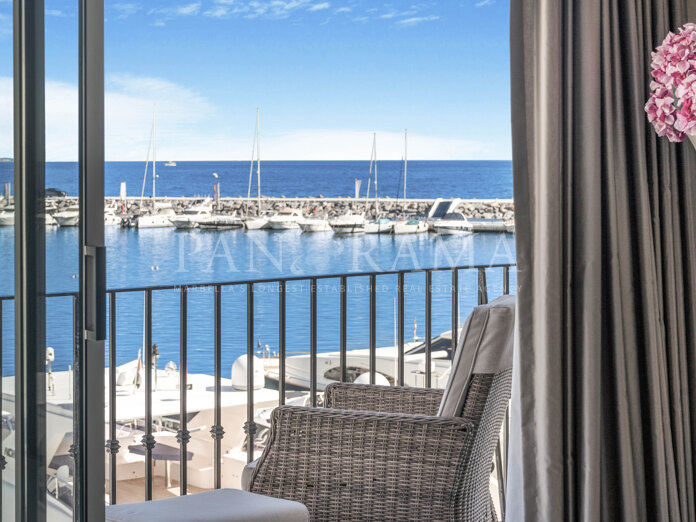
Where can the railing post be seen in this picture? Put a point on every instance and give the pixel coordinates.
(506, 280)
(313, 341)
(428, 327)
(373, 328)
(112, 445)
(482, 287)
(281, 341)
(148, 440)
(344, 328)
(216, 431)
(250, 424)
(3, 462)
(455, 309)
(400, 324)
(182, 435)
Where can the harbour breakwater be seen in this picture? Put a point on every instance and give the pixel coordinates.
(501, 209)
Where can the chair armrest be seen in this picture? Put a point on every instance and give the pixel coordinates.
(393, 399)
(356, 465)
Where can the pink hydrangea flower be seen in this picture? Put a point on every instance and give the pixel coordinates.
(671, 108)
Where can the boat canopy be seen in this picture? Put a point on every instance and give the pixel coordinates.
(454, 216)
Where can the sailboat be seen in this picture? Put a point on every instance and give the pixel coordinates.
(411, 225)
(379, 225)
(161, 212)
(260, 221)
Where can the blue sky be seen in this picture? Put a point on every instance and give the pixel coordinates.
(325, 74)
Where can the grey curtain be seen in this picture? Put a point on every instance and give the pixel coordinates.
(605, 367)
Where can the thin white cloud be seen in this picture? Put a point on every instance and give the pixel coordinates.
(54, 12)
(417, 20)
(178, 10)
(189, 127)
(126, 9)
(484, 3)
(361, 19)
(343, 10)
(319, 7)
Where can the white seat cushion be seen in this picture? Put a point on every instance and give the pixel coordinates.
(221, 505)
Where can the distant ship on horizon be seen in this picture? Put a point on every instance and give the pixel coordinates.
(6, 160)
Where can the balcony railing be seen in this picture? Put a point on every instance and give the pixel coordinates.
(217, 431)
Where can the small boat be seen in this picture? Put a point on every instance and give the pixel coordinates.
(315, 224)
(379, 226)
(348, 224)
(159, 217)
(453, 223)
(257, 223)
(7, 217)
(286, 219)
(111, 218)
(410, 226)
(69, 217)
(297, 367)
(49, 221)
(170, 164)
(221, 222)
(510, 226)
(190, 217)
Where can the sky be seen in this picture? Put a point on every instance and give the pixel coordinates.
(324, 74)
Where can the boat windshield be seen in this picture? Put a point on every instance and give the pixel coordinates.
(437, 345)
(454, 216)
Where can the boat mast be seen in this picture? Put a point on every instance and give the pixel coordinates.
(405, 164)
(154, 152)
(147, 163)
(374, 152)
(251, 168)
(258, 162)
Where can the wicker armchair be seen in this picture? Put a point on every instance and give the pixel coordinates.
(394, 453)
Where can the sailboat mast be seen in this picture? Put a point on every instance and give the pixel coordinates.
(251, 172)
(405, 163)
(154, 151)
(258, 162)
(374, 149)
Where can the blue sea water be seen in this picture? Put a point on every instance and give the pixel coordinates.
(426, 179)
(137, 258)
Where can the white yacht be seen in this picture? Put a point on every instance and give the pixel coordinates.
(257, 223)
(49, 220)
(348, 224)
(410, 226)
(159, 217)
(112, 217)
(220, 222)
(297, 368)
(69, 217)
(453, 223)
(7, 217)
(379, 226)
(130, 428)
(286, 219)
(170, 164)
(315, 224)
(190, 217)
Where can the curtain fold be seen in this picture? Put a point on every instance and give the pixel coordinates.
(604, 389)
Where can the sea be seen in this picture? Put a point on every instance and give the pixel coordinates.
(154, 257)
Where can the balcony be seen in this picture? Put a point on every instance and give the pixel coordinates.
(171, 432)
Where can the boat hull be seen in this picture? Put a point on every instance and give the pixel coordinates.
(404, 228)
(67, 220)
(444, 230)
(256, 223)
(315, 226)
(7, 219)
(283, 225)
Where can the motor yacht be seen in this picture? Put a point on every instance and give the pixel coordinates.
(411, 226)
(286, 219)
(69, 217)
(190, 217)
(348, 224)
(453, 223)
(159, 217)
(7, 216)
(315, 224)
(220, 222)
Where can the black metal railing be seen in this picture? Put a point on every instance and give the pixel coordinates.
(250, 427)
